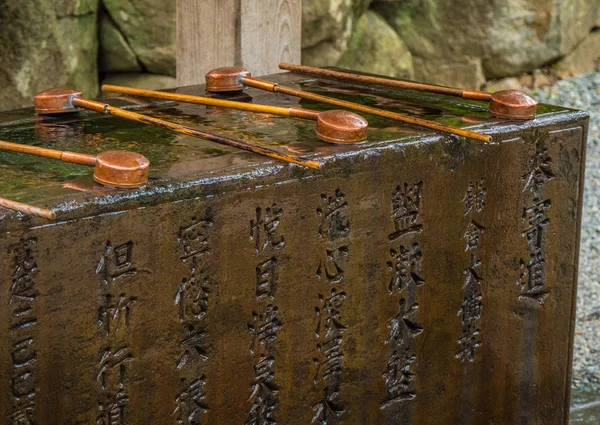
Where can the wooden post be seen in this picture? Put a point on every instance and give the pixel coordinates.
(254, 34)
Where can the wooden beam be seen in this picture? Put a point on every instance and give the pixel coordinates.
(270, 33)
(207, 35)
(255, 34)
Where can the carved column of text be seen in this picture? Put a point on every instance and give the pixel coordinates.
(405, 268)
(535, 217)
(192, 300)
(329, 363)
(265, 323)
(472, 305)
(117, 271)
(21, 337)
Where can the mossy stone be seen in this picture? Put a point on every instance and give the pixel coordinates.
(149, 28)
(376, 48)
(46, 44)
(116, 55)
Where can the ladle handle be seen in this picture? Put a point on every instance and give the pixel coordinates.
(31, 150)
(476, 95)
(27, 209)
(209, 101)
(74, 157)
(307, 114)
(145, 119)
(409, 85)
(273, 87)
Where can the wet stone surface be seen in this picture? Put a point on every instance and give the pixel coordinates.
(585, 408)
(41, 180)
(395, 285)
(583, 92)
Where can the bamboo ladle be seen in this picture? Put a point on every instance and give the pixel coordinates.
(111, 168)
(231, 79)
(512, 104)
(58, 101)
(334, 126)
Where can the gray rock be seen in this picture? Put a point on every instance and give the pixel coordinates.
(326, 29)
(376, 48)
(526, 80)
(74, 7)
(543, 78)
(115, 55)
(360, 6)
(141, 80)
(585, 57)
(149, 28)
(323, 54)
(45, 44)
(509, 83)
(463, 72)
(509, 37)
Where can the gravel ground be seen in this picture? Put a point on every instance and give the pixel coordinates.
(583, 92)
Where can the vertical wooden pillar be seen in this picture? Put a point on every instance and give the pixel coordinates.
(255, 34)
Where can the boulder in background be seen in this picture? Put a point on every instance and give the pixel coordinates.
(50, 43)
(326, 29)
(585, 57)
(376, 48)
(508, 37)
(148, 26)
(465, 72)
(360, 7)
(141, 80)
(46, 44)
(116, 55)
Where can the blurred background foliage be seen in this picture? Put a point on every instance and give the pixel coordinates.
(468, 43)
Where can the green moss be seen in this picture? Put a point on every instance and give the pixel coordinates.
(44, 181)
(360, 6)
(375, 47)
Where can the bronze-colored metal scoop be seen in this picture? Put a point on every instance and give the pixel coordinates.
(58, 101)
(512, 104)
(111, 168)
(234, 79)
(334, 126)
